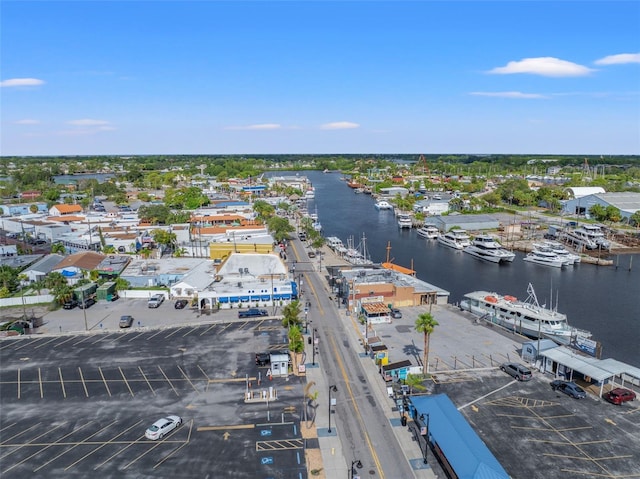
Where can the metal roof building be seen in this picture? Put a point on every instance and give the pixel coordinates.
(467, 222)
(454, 440)
(627, 202)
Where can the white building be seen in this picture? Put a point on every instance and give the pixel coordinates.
(627, 202)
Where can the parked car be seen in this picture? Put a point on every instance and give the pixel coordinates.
(620, 395)
(569, 388)
(181, 304)
(162, 427)
(396, 313)
(302, 236)
(126, 321)
(312, 254)
(262, 359)
(155, 301)
(87, 303)
(252, 313)
(70, 304)
(518, 371)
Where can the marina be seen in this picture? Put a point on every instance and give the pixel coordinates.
(587, 293)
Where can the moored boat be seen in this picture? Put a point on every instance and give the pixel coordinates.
(485, 247)
(545, 258)
(526, 317)
(383, 205)
(404, 221)
(428, 231)
(456, 239)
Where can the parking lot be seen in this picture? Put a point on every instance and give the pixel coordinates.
(77, 403)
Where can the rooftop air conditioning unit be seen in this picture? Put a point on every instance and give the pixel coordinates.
(239, 285)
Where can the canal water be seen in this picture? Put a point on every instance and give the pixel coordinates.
(602, 299)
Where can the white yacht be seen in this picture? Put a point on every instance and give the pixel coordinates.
(404, 221)
(383, 205)
(310, 194)
(527, 316)
(456, 239)
(591, 236)
(487, 248)
(559, 249)
(545, 258)
(428, 231)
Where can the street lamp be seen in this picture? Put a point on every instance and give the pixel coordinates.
(333, 388)
(426, 436)
(354, 464)
(314, 346)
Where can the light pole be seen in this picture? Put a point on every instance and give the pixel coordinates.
(314, 346)
(426, 436)
(333, 388)
(357, 463)
(84, 312)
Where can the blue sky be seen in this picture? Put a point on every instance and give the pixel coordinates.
(213, 77)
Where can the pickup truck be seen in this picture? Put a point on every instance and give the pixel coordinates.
(252, 313)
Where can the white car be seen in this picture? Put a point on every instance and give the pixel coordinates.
(162, 427)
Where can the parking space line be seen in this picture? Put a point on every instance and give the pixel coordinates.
(44, 448)
(87, 337)
(125, 381)
(40, 381)
(170, 383)
(84, 385)
(6, 440)
(208, 329)
(118, 453)
(188, 380)
(27, 343)
(147, 380)
(203, 373)
(155, 334)
(64, 393)
(225, 327)
(102, 445)
(104, 380)
(191, 330)
(70, 338)
(73, 447)
(45, 342)
(158, 444)
(224, 428)
(136, 336)
(159, 463)
(173, 332)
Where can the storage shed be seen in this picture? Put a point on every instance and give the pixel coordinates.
(396, 371)
(467, 222)
(107, 291)
(280, 365)
(85, 291)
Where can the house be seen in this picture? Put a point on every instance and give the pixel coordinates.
(38, 270)
(63, 210)
(74, 267)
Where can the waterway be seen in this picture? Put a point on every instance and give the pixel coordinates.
(602, 299)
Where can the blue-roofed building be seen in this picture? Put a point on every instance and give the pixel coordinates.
(453, 440)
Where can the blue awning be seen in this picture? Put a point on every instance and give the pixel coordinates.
(234, 299)
(265, 297)
(277, 296)
(255, 298)
(224, 299)
(244, 298)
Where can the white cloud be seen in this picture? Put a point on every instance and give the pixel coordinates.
(21, 82)
(508, 94)
(339, 125)
(619, 59)
(27, 121)
(261, 126)
(544, 66)
(88, 122)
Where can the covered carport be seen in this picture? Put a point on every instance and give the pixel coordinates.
(453, 441)
(622, 371)
(563, 362)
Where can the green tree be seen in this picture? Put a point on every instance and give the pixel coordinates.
(296, 340)
(414, 381)
(58, 248)
(613, 214)
(291, 314)
(426, 324)
(598, 212)
(279, 227)
(634, 219)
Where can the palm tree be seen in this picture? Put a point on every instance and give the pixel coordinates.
(414, 381)
(425, 324)
(58, 248)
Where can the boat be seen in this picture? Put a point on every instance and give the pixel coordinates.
(559, 249)
(456, 239)
(526, 317)
(357, 255)
(487, 248)
(404, 221)
(383, 205)
(310, 194)
(545, 258)
(428, 231)
(589, 236)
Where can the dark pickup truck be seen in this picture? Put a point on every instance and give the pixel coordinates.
(252, 313)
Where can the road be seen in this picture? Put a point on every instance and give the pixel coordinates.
(361, 424)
